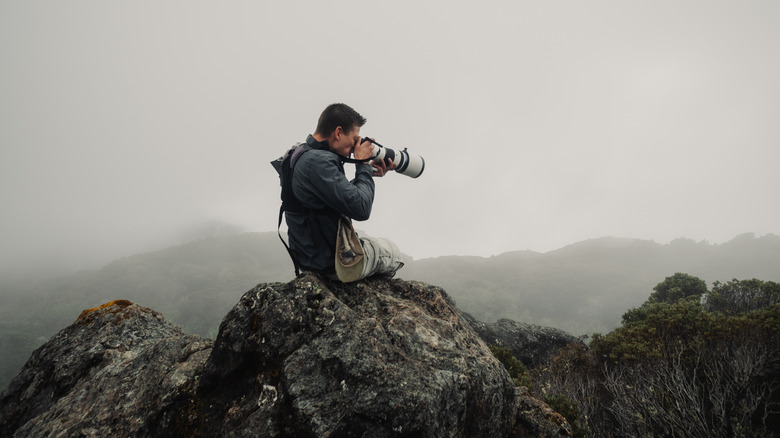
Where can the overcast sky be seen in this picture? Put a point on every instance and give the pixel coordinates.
(126, 125)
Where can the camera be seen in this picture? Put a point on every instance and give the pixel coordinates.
(406, 164)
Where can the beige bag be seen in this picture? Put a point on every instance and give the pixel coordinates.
(350, 258)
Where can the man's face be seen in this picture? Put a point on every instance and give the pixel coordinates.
(344, 142)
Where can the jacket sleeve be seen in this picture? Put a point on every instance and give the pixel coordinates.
(319, 181)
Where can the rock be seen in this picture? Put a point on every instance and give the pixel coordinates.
(536, 419)
(108, 374)
(310, 358)
(531, 344)
(375, 358)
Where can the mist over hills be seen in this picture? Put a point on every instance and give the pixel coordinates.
(586, 287)
(581, 288)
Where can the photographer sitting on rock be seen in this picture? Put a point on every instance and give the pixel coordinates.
(317, 197)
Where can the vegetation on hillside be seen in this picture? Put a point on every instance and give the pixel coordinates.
(688, 362)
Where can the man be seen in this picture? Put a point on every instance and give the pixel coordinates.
(321, 194)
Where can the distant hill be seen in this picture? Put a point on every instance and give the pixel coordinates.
(582, 288)
(192, 284)
(586, 287)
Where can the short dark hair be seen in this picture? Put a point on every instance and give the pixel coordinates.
(338, 114)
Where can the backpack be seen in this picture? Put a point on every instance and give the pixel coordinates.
(284, 166)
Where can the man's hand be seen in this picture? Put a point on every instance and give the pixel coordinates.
(364, 150)
(380, 168)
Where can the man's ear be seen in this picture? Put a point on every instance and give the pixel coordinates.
(339, 131)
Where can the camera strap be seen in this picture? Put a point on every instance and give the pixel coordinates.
(354, 161)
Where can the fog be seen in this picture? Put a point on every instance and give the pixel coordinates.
(132, 126)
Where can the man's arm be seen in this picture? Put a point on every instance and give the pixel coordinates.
(317, 182)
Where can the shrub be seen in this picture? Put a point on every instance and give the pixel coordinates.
(514, 367)
(675, 369)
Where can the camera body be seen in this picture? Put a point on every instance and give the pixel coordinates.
(406, 164)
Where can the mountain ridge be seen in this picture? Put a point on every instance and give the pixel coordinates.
(582, 288)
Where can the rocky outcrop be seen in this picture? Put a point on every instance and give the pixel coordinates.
(309, 358)
(531, 344)
(111, 373)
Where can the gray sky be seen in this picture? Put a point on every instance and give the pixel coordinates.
(126, 125)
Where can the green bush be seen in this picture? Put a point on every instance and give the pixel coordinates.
(675, 368)
(514, 367)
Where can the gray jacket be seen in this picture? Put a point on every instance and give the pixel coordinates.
(321, 186)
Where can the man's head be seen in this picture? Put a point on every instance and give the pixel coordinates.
(340, 125)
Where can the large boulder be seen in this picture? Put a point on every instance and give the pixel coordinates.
(309, 358)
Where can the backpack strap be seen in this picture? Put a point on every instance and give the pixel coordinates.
(289, 251)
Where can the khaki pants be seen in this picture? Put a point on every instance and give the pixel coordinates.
(382, 257)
